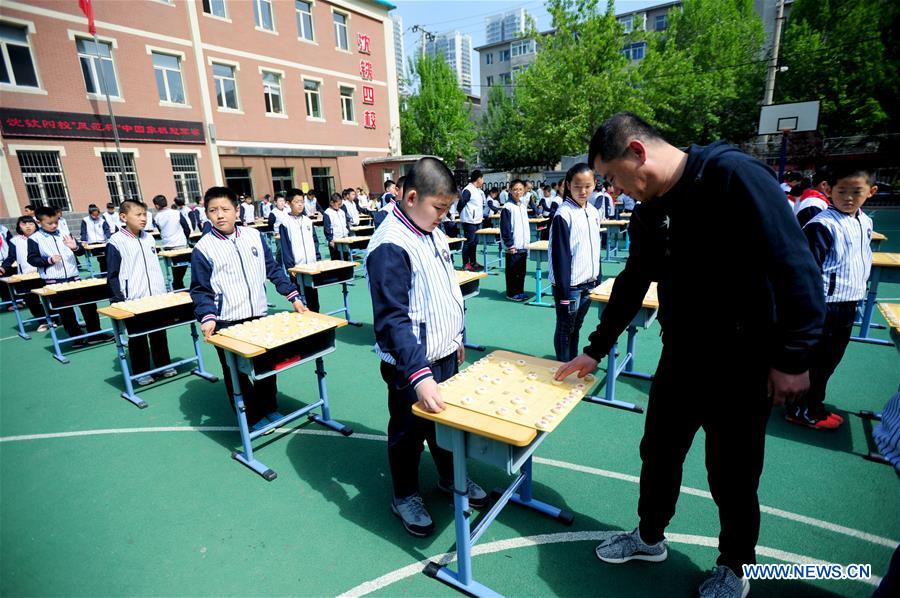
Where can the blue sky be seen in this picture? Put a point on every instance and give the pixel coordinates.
(467, 16)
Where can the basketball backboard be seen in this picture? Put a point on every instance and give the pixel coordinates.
(799, 116)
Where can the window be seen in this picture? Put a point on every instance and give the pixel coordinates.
(187, 176)
(16, 62)
(97, 67)
(226, 86)
(523, 47)
(489, 58)
(322, 180)
(44, 180)
(304, 20)
(120, 188)
(272, 92)
(168, 78)
(282, 179)
(312, 89)
(505, 78)
(635, 51)
(340, 31)
(504, 55)
(262, 12)
(215, 8)
(347, 114)
(662, 22)
(489, 81)
(627, 23)
(238, 180)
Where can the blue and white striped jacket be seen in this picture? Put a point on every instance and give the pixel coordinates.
(416, 302)
(132, 266)
(42, 246)
(299, 242)
(841, 245)
(514, 229)
(574, 253)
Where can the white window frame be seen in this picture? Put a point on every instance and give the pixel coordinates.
(281, 79)
(321, 87)
(113, 45)
(117, 173)
(627, 23)
(507, 52)
(312, 23)
(489, 58)
(197, 157)
(341, 86)
(237, 92)
(334, 29)
(151, 50)
(665, 18)
(226, 18)
(257, 6)
(12, 87)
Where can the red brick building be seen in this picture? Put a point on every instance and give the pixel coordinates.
(259, 95)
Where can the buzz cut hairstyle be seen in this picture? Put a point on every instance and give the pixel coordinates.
(476, 174)
(110, 205)
(430, 177)
(131, 204)
(515, 182)
(45, 212)
(847, 171)
(611, 139)
(387, 184)
(219, 192)
(293, 192)
(179, 201)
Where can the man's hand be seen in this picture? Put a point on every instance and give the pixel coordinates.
(299, 307)
(511, 250)
(460, 354)
(787, 388)
(208, 328)
(583, 364)
(69, 242)
(429, 396)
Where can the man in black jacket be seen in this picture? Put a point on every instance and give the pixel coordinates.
(738, 324)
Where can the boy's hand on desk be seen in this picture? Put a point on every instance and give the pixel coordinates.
(208, 328)
(299, 307)
(460, 355)
(429, 396)
(583, 364)
(787, 388)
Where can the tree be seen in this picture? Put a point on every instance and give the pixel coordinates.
(843, 53)
(503, 145)
(703, 76)
(435, 120)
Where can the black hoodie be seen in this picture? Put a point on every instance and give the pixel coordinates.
(736, 278)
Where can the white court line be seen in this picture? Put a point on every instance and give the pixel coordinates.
(614, 475)
(528, 541)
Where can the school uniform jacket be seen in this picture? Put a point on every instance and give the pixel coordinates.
(383, 213)
(276, 217)
(336, 224)
(352, 212)
(132, 266)
(416, 301)
(471, 205)
(299, 241)
(94, 231)
(43, 245)
(574, 253)
(310, 207)
(173, 228)
(514, 229)
(18, 253)
(248, 213)
(811, 202)
(841, 246)
(228, 276)
(113, 221)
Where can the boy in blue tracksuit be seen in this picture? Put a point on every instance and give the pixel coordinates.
(299, 243)
(516, 234)
(229, 268)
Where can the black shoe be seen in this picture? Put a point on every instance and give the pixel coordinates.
(79, 344)
(100, 338)
(478, 498)
(477, 267)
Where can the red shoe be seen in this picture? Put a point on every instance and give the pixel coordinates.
(467, 267)
(802, 418)
(836, 417)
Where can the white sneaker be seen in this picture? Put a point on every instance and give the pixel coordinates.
(723, 583)
(145, 380)
(621, 547)
(169, 373)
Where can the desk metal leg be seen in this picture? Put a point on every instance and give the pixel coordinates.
(346, 293)
(465, 342)
(200, 370)
(539, 286)
(57, 351)
(523, 497)
(20, 324)
(613, 371)
(868, 310)
(128, 395)
(245, 457)
(325, 418)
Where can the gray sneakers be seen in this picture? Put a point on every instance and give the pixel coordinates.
(478, 498)
(723, 583)
(411, 511)
(621, 547)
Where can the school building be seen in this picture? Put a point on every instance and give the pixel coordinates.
(258, 95)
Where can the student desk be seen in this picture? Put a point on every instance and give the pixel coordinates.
(501, 443)
(876, 240)
(891, 313)
(351, 245)
(537, 225)
(140, 317)
(615, 368)
(20, 286)
(539, 251)
(71, 294)
(268, 346)
(885, 268)
(363, 218)
(469, 287)
(456, 246)
(326, 273)
(621, 226)
(194, 237)
(486, 237)
(363, 230)
(94, 250)
(173, 258)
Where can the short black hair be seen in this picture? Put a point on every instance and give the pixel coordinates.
(476, 174)
(110, 205)
(45, 212)
(494, 190)
(292, 193)
(611, 139)
(401, 182)
(345, 193)
(846, 171)
(388, 183)
(513, 182)
(160, 201)
(334, 197)
(430, 177)
(281, 195)
(179, 201)
(93, 208)
(553, 184)
(793, 175)
(28, 206)
(22, 220)
(822, 175)
(217, 192)
(131, 204)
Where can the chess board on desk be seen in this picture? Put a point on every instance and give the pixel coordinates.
(152, 313)
(325, 272)
(516, 388)
(76, 292)
(175, 253)
(278, 341)
(24, 282)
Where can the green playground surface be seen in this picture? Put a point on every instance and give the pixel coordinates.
(100, 498)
